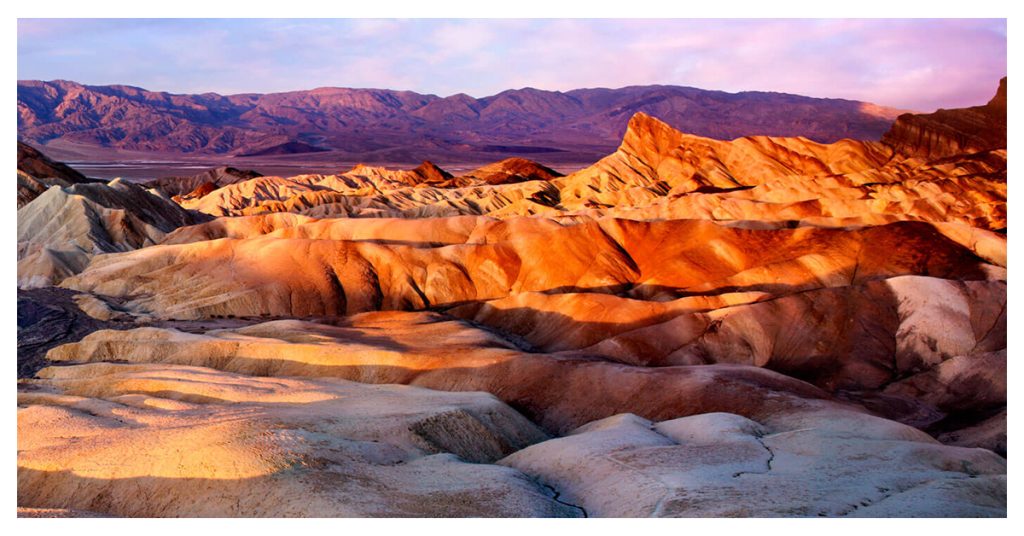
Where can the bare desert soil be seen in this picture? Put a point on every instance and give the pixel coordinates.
(687, 327)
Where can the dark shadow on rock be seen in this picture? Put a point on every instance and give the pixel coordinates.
(47, 318)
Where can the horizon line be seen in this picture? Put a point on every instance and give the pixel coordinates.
(524, 88)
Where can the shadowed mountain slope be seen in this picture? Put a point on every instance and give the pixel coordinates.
(393, 126)
(36, 173)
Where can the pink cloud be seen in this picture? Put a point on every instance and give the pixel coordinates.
(913, 64)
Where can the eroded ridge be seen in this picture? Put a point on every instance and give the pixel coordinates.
(768, 326)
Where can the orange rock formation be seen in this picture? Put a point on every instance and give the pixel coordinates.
(807, 329)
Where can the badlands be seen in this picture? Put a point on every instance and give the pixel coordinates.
(768, 326)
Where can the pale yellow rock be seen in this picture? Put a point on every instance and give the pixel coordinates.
(172, 441)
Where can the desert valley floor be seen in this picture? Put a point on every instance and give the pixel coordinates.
(766, 326)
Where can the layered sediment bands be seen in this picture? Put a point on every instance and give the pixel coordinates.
(780, 434)
(577, 320)
(273, 275)
(906, 347)
(655, 159)
(30, 188)
(63, 227)
(896, 340)
(359, 196)
(797, 433)
(36, 173)
(234, 198)
(428, 350)
(34, 163)
(853, 337)
(199, 185)
(660, 173)
(196, 442)
(691, 327)
(952, 132)
(988, 245)
(426, 232)
(975, 200)
(276, 194)
(240, 227)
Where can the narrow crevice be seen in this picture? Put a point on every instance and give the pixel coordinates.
(555, 497)
(885, 494)
(856, 265)
(621, 249)
(768, 462)
(991, 328)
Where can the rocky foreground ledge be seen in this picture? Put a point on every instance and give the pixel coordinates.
(222, 424)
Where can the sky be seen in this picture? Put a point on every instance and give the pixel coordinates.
(912, 64)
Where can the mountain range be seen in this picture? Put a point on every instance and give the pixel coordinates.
(76, 121)
(688, 327)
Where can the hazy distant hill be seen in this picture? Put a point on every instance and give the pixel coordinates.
(375, 124)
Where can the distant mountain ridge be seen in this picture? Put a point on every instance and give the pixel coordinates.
(388, 125)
